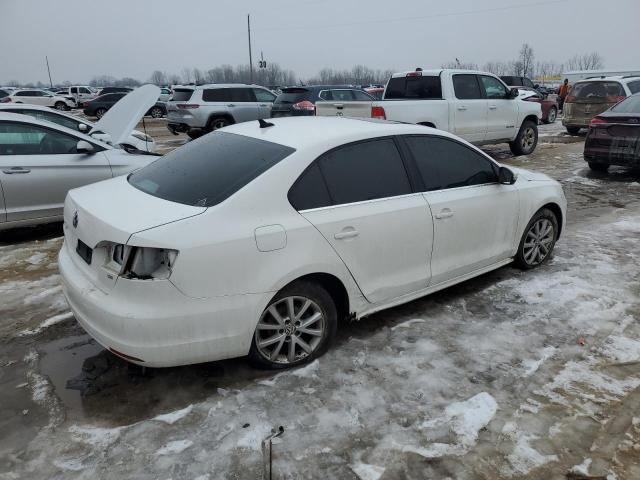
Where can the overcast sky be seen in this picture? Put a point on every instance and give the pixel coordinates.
(84, 38)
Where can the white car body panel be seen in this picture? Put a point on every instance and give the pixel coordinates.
(236, 255)
(45, 100)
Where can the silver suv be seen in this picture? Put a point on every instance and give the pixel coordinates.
(200, 109)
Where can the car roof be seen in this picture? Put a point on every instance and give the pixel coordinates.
(327, 132)
(17, 117)
(218, 85)
(612, 78)
(29, 106)
(438, 71)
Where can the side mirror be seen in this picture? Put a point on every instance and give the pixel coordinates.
(506, 176)
(513, 93)
(83, 127)
(84, 147)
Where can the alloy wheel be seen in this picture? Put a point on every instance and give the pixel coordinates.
(538, 242)
(528, 139)
(289, 330)
(552, 115)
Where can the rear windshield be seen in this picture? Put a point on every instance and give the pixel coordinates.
(207, 171)
(294, 95)
(182, 94)
(414, 88)
(630, 105)
(511, 81)
(596, 89)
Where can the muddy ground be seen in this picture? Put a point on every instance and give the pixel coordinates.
(528, 375)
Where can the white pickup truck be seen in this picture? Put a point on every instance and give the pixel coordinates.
(476, 106)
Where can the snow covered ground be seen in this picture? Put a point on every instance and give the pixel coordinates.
(511, 375)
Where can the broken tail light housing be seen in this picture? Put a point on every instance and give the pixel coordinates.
(378, 112)
(141, 263)
(305, 105)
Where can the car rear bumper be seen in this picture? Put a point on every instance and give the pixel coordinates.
(151, 323)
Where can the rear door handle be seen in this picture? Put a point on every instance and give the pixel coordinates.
(231, 105)
(492, 107)
(12, 170)
(462, 107)
(263, 105)
(446, 213)
(348, 232)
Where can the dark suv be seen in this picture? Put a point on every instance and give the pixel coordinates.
(301, 101)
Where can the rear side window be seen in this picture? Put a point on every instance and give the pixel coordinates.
(215, 95)
(444, 163)
(466, 87)
(597, 90)
(242, 95)
(182, 94)
(207, 171)
(414, 88)
(364, 171)
(634, 87)
(310, 190)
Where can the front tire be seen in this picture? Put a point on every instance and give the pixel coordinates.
(599, 167)
(527, 139)
(552, 115)
(538, 240)
(156, 112)
(100, 112)
(297, 326)
(61, 106)
(217, 122)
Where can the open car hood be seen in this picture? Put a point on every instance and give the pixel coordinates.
(120, 120)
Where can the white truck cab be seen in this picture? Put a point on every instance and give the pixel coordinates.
(474, 105)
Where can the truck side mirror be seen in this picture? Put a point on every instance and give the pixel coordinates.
(513, 93)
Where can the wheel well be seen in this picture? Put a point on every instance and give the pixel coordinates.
(557, 211)
(334, 287)
(427, 124)
(220, 115)
(533, 118)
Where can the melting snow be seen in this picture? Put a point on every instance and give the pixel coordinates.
(408, 323)
(46, 324)
(582, 469)
(173, 417)
(308, 370)
(176, 446)
(524, 457)
(532, 366)
(365, 471)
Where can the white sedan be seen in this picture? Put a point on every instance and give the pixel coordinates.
(260, 238)
(39, 97)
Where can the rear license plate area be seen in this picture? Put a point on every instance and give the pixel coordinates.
(84, 251)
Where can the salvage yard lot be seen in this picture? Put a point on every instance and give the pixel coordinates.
(510, 375)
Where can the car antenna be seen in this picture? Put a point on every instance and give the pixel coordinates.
(265, 124)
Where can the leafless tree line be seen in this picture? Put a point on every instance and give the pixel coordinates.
(273, 74)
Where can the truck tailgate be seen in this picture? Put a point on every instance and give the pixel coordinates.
(327, 108)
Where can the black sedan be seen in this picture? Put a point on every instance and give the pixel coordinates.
(614, 136)
(99, 106)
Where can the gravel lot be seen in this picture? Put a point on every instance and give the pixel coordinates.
(527, 375)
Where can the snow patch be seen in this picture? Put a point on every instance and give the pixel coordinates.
(95, 436)
(46, 324)
(408, 323)
(307, 371)
(532, 366)
(582, 469)
(621, 349)
(173, 417)
(176, 446)
(524, 457)
(365, 471)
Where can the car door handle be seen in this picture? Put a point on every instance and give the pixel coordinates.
(231, 105)
(446, 213)
(264, 105)
(462, 108)
(11, 171)
(348, 232)
(492, 107)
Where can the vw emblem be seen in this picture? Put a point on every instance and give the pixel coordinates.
(75, 220)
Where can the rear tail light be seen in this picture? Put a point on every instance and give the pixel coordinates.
(5, 100)
(141, 263)
(615, 98)
(187, 106)
(378, 112)
(532, 99)
(305, 105)
(595, 122)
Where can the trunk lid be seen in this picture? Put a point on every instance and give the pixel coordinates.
(110, 212)
(121, 118)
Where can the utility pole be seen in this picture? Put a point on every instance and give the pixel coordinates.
(48, 70)
(250, 59)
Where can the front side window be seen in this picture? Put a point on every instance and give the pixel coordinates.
(466, 87)
(445, 163)
(84, 90)
(364, 171)
(207, 171)
(263, 95)
(242, 95)
(24, 139)
(493, 87)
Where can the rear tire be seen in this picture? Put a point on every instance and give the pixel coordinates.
(61, 106)
(538, 240)
(193, 134)
(100, 112)
(217, 122)
(552, 115)
(313, 310)
(599, 167)
(527, 139)
(156, 112)
(573, 130)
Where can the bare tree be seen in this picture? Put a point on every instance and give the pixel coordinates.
(460, 65)
(526, 59)
(186, 75)
(158, 78)
(174, 79)
(585, 61)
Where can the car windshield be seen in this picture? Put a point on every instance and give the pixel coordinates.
(630, 105)
(207, 171)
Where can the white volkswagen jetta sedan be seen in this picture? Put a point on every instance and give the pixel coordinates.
(260, 238)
